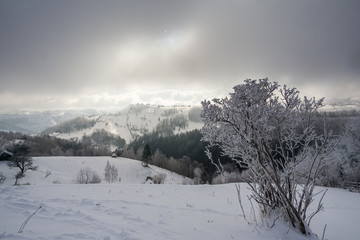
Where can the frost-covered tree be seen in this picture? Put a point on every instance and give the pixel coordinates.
(348, 151)
(110, 173)
(159, 159)
(87, 176)
(21, 159)
(269, 130)
(159, 178)
(197, 175)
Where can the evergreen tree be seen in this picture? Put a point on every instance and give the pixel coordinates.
(146, 155)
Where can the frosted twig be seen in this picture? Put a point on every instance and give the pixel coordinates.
(26, 221)
(241, 206)
(324, 232)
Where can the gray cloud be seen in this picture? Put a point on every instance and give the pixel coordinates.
(75, 49)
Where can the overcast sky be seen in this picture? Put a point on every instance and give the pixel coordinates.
(107, 54)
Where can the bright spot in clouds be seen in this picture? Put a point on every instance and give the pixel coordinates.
(142, 56)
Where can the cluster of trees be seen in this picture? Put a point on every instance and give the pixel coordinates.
(194, 114)
(103, 138)
(183, 152)
(180, 153)
(167, 126)
(169, 112)
(88, 176)
(138, 108)
(344, 164)
(183, 166)
(97, 144)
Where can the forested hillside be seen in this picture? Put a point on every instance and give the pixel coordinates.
(185, 151)
(99, 143)
(182, 152)
(132, 122)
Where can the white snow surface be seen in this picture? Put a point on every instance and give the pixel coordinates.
(63, 170)
(132, 210)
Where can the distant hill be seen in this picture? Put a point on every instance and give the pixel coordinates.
(36, 122)
(133, 121)
(342, 104)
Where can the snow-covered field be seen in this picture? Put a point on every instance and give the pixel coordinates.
(131, 210)
(63, 170)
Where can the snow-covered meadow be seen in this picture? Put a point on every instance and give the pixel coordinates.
(129, 209)
(63, 170)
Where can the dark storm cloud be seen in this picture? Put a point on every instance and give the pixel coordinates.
(69, 48)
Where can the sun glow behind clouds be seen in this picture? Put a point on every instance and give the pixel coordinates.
(145, 56)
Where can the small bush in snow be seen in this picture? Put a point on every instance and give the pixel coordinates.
(159, 179)
(2, 178)
(111, 173)
(48, 173)
(188, 181)
(197, 175)
(227, 177)
(87, 176)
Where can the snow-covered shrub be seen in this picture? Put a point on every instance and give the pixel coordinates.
(349, 151)
(197, 175)
(188, 181)
(87, 176)
(2, 178)
(159, 178)
(342, 166)
(110, 173)
(227, 177)
(48, 173)
(328, 175)
(269, 130)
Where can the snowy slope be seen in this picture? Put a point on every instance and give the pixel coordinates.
(131, 210)
(133, 121)
(156, 212)
(63, 170)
